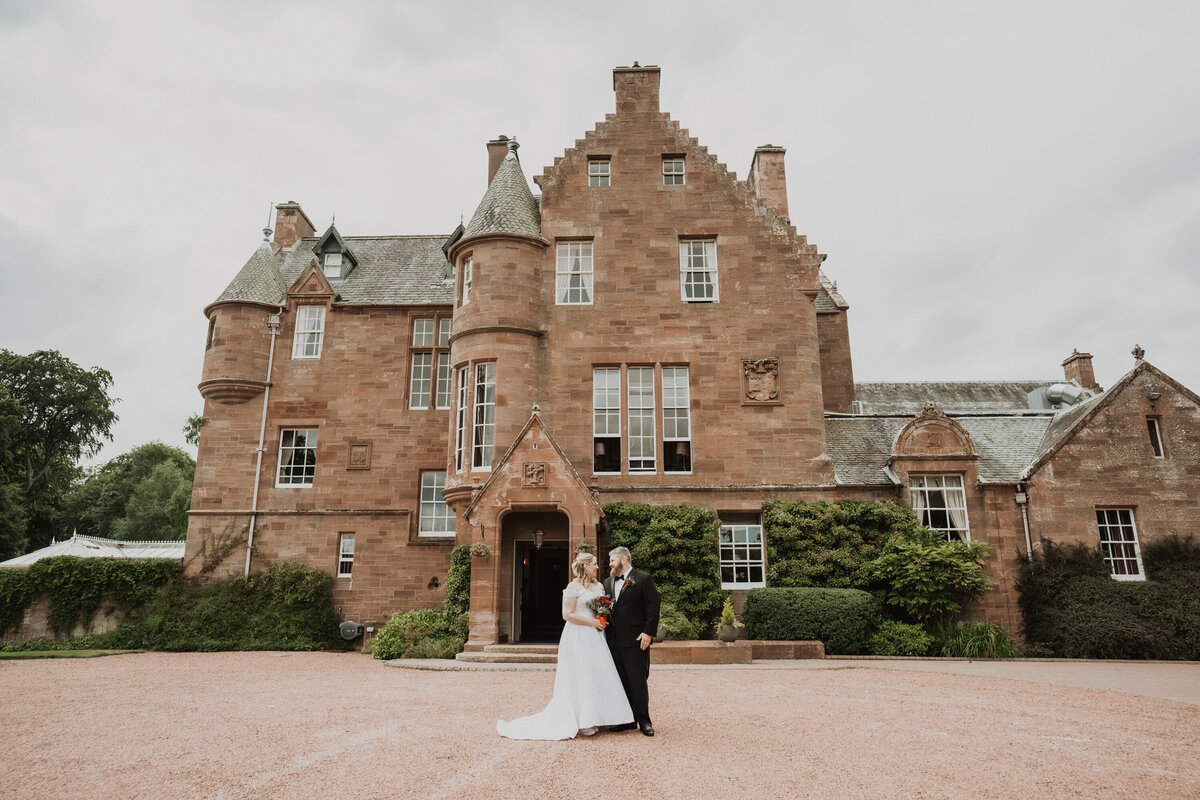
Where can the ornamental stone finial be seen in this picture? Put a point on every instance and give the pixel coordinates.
(1138, 353)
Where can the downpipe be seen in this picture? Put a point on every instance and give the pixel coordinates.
(273, 326)
(1022, 499)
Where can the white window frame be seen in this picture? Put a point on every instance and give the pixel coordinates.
(573, 274)
(429, 380)
(468, 279)
(289, 475)
(309, 338)
(461, 446)
(599, 172)
(677, 415)
(1118, 532)
(642, 405)
(483, 432)
(435, 519)
(332, 265)
(738, 550)
(441, 400)
(924, 488)
(674, 171)
(698, 271)
(345, 567)
(606, 411)
(421, 381)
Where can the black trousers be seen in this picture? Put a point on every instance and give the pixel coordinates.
(633, 665)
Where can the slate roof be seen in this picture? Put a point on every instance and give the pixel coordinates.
(1005, 443)
(910, 397)
(508, 206)
(392, 270)
(95, 547)
(828, 297)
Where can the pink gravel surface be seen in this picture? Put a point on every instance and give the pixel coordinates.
(317, 725)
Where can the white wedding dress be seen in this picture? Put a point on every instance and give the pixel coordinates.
(587, 689)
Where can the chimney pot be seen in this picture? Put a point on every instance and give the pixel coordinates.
(291, 224)
(767, 177)
(1078, 368)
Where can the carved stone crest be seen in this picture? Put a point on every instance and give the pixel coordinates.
(761, 379)
(360, 456)
(534, 474)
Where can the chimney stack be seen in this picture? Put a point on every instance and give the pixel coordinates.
(1078, 368)
(767, 178)
(636, 88)
(497, 150)
(291, 224)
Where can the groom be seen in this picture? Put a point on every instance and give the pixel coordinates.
(634, 621)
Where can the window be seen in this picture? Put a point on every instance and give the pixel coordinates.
(741, 553)
(468, 278)
(1119, 542)
(677, 429)
(333, 265)
(345, 555)
(310, 332)
(297, 457)
(460, 421)
(641, 420)
(573, 274)
(1155, 436)
(599, 171)
(606, 419)
(212, 332)
(698, 271)
(436, 518)
(672, 170)
(941, 504)
(425, 355)
(484, 430)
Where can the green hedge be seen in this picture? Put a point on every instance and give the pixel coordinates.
(843, 619)
(289, 607)
(423, 633)
(1072, 608)
(893, 638)
(78, 587)
(678, 546)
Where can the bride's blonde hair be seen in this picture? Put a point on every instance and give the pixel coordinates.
(579, 567)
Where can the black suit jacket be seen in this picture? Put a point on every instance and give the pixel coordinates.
(635, 611)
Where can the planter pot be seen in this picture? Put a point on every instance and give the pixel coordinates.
(661, 634)
(727, 633)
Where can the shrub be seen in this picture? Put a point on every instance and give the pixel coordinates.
(458, 582)
(974, 640)
(893, 638)
(841, 618)
(928, 577)
(289, 607)
(676, 624)
(417, 634)
(678, 546)
(1072, 607)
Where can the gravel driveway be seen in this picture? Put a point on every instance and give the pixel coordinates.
(320, 725)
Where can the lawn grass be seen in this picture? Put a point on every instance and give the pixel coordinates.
(63, 653)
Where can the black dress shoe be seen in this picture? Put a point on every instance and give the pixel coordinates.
(628, 726)
(647, 729)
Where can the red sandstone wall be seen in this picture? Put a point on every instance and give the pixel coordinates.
(837, 370)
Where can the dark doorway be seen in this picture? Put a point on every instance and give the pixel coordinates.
(541, 578)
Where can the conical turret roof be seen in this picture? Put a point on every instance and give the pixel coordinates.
(508, 206)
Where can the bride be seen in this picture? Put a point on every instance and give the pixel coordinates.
(587, 689)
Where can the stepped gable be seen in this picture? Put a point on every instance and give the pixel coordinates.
(392, 270)
(508, 205)
(739, 195)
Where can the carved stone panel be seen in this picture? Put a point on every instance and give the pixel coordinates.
(534, 474)
(360, 456)
(760, 380)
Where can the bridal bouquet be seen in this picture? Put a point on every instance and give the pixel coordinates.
(602, 608)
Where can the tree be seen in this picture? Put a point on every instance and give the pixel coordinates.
(191, 429)
(65, 413)
(101, 504)
(12, 515)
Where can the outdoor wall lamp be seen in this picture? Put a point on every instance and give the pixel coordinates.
(538, 537)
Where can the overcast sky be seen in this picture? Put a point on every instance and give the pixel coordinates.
(994, 184)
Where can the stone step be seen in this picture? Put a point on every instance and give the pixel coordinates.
(541, 649)
(507, 658)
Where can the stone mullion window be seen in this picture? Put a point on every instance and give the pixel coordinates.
(606, 420)
(460, 420)
(643, 441)
(677, 423)
(1119, 542)
(484, 428)
(428, 350)
(436, 518)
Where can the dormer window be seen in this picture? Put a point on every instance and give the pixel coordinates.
(333, 265)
